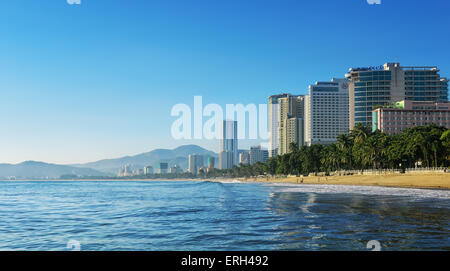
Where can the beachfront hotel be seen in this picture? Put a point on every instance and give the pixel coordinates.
(274, 110)
(396, 118)
(326, 111)
(378, 86)
(228, 155)
(291, 112)
(257, 154)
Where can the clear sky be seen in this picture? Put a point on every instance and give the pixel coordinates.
(80, 83)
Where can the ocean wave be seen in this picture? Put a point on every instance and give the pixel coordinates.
(364, 190)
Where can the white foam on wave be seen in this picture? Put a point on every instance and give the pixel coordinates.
(364, 190)
(227, 181)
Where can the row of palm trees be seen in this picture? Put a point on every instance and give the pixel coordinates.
(360, 149)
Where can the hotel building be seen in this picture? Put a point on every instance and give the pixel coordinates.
(244, 158)
(402, 115)
(274, 111)
(378, 86)
(163, 168)
(326, 111)
(148, 170)
(228, 155)
(257, 154)
(290, 122)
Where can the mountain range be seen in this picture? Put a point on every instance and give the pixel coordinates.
(177, 156)
(106, 167)
(33, 169)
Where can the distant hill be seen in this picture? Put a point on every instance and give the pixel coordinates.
(32, 169)
(177, 156)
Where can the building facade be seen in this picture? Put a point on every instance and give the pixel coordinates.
(195, 162)
(405, 114)
(211, 162)
(257, 154)
(163, 168)
(274, 111)
(290, 121)
(326, 111)
(228, 155)
(244, 158)
(175, 169)
(226, 159)
(148, 170)
(378, 86)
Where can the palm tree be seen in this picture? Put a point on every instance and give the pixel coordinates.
(344, 145)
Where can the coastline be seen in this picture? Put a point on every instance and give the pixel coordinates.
(409, 180)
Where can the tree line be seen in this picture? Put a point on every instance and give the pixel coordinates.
(361, 149)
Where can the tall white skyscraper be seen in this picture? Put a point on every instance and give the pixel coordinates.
(228, 154)
(326, 111)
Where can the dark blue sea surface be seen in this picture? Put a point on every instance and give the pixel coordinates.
(184, 215)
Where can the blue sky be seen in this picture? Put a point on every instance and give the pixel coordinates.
(98, 80)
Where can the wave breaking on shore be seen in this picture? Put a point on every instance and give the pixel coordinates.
(364, 190)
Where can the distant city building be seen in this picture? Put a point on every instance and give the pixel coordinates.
(211, 162)
(244, 158)
(290, 121)
(175, 169)
(226, 159)
(125, 171)
(163, 168)
(195, 162)
(258, 155)
(148, 170)
(139, 172)
(228, 155)
(326, 111)
(378, 86)
(402, 115)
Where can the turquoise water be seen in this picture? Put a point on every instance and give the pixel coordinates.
(112, 215)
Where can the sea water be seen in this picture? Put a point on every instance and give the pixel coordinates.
(184, 215)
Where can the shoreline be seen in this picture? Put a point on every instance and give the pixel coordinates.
(408, 180)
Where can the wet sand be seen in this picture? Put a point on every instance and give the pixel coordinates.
(410, 180)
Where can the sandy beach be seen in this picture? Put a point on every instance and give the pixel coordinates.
(410, 180)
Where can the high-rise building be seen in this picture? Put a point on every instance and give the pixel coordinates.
(211, 162)
(377, 86)
(290, 120)
(195, 162)
(226, 159)
(175, 169)
(274, 111)
(257, 154)
(396, 118)
(228, 155)
(163, 168)
(148, 170)
(326, 111)
(125, 171)
(244, 158)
